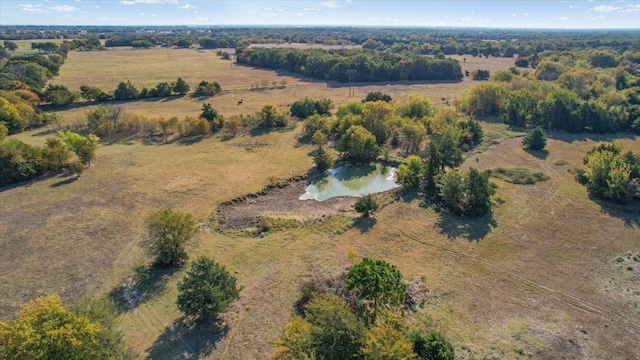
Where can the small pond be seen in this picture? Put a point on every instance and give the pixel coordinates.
(351, 180)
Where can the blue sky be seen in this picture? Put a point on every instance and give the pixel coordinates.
(469, 13)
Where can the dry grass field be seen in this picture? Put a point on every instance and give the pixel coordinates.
(105, 69)
(547, 276)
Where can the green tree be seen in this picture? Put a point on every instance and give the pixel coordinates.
(484, 100)
(10, 45)
(377, 117)
(470, 195)
(535, 139)
(4, 131)
(608, 173)
(58, 95)
(432, 346)
(206, 289)
(386, 342)
(322, 159)
(270, 116)
(212, 116)
(336, 332)
(377, 96)
(414, 107)
(377, 281)
(55, 154)
(412, 134)
(366, 205)
(45, 329)
(91, 92)
(295, 341)
(125, 91)
(169, 232)
(411, 172)
(181, 87)
(83, 146)
(358, 144)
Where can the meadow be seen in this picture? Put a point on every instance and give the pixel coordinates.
(539, 278)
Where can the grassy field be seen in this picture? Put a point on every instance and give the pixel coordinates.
(147, 68)
(541, 278)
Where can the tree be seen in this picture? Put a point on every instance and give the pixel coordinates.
(432, 346)
(125, 91)
(181, 87)
(83, 146)
(535, 139)
(470, 195)
(411, 172)
(92, 93)
(169, 232)
(608, 173)
(377, 281)
(377, 96)
(358, 144)
(212, 116)
(10, 45)
(480, 74)
(366, 205)
(377, 117)
(58, 95)
(206, 88)
(270, 116)
(295, 341)
(45, 329)
(206, 289)
(4, 131)
(322, 159)
(336, 332)
(386, 342)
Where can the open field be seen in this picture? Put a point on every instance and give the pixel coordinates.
(105, 69)
(538, 279)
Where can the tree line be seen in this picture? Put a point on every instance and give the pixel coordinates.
(564, 94)
(369, 65)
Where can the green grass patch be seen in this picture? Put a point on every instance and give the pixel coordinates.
(561, 162)
(520, 176)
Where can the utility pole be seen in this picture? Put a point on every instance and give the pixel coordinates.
(352, 79)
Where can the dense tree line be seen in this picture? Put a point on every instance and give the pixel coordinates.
(21, 162)
(369, 65)
(565, 94)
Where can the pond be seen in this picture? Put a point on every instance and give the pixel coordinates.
(351, 180)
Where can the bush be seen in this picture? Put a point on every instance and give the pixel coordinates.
(535, 139)
(206, 289)
(521, 176)
(169, 232)
(322, 159)
(366, 205)
(432, 346)
(377, 95)
(270, 116)
(470, 195)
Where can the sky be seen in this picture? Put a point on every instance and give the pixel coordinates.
(611, 14)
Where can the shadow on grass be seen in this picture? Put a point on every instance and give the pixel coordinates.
(472, 229)
(44, 132)
(540, 154)
(364, 224)
(64, 182)
(629, 214)
(185, 339)
(188, 140)
(147, 282)
(571, 137)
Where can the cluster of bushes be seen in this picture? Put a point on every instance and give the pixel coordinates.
(21, 162)
(565, 94)
(369, 65)
(358, 316)
(264, 84)
(18, 111)
(127, 91)
(610, 174)
(46, 329)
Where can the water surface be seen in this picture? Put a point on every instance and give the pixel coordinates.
(351, 180)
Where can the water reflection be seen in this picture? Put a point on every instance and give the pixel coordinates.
(351, 180)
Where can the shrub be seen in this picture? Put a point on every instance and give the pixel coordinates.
(535, 139)
(206, 289)
(169, 232)
(432, 346)
(366, 205)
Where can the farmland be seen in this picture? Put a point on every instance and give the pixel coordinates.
(537, 278)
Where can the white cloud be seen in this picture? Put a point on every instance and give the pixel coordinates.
(187, 6)
(300, 14)
(63, 8)
(562, 18)
(133, 2)
(632, 8)
(330, 4)
(604, 8)
(33, 8)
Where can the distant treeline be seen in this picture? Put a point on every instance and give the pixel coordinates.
(368, 65)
